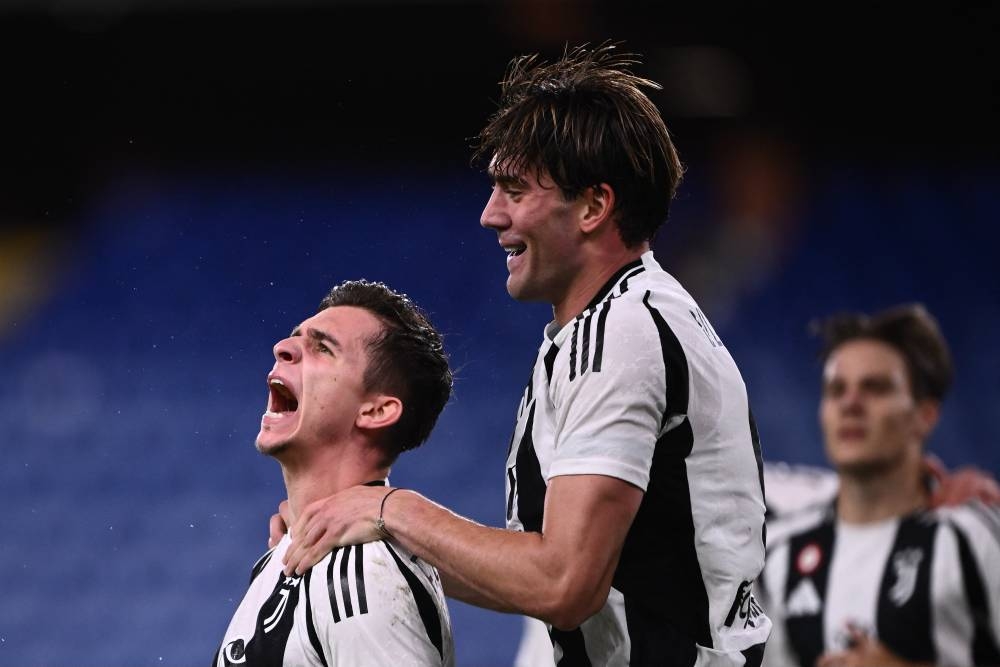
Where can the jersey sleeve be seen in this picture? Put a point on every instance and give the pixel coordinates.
(610, 412)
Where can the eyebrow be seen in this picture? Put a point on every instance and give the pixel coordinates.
(506, 180)
(316, 334)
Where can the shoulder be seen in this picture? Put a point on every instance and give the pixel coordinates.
(781, 531)
(977, 522)
(272, 555)
(792, 489)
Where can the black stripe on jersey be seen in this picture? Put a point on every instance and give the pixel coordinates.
(572, 350)
(310, 625)
(359, 581)
(753, 656)
(903, 612)
(624, 287)
(984, 648)
(585, 347)
(511, 484)
(755, 440)
(530, 483)
(274, 624)
(809, 556)
(668, 615)
(665, 616)
(345, 588)
(674, 365)
(573, 648)
(261, 563)
(599, 343)
(330, 586)
(425, 603)
(610, 283)
(550, 359)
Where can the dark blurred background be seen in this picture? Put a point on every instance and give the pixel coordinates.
(182, 182)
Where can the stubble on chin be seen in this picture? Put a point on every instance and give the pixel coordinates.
(273, 449)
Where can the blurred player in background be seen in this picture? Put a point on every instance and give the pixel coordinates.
(353, 386)
(873, 576)
(635, 502)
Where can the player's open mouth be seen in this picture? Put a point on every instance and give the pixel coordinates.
(280, 400)
(515, 250)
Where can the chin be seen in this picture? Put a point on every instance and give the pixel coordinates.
(863, 468)
(271, 448)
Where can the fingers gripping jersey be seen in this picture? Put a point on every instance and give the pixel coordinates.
(371, 604)
(639, 387)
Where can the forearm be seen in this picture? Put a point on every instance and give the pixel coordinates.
(498, 569)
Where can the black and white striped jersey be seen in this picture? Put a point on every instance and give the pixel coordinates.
(640, 387)
(927, 585)
(370, 604)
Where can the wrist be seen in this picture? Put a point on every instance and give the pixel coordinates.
(380, 525)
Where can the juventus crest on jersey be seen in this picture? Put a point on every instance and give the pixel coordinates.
(926, 585)
(641, 388)
(371, 604)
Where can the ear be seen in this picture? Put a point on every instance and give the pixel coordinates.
(928, 413)
(599, 205)
(380, 412)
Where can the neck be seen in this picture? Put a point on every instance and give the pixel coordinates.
(327, 471)
(595, 272)
(891, 493)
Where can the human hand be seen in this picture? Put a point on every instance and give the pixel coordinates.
(347, 517)
(278, 525)
(865, 651)
(962, 485)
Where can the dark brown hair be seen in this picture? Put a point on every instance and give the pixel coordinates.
(406, 359)
(584, 120)
(910, 330)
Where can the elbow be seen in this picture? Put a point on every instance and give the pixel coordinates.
(569, 608)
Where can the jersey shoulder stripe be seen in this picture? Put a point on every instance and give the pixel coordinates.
(341, 577)
(617, 284)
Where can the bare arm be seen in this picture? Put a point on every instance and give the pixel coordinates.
(561, 575)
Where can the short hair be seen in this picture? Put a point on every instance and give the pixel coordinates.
(910, 330)
(585, 120)
(406, 359)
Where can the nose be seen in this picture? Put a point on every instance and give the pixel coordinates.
(850, 401)
(288, 350)
(494, 215)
